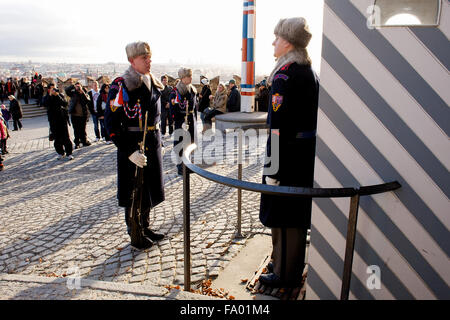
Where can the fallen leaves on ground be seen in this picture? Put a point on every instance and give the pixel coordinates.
(170, 287)
(52, 274)
(206, 290)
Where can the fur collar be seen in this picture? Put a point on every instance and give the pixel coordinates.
(183, 89)
(299, 56)
(133, 80)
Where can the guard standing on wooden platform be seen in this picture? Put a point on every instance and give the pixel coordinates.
(132, 97)
(293, 118)
(184, 103)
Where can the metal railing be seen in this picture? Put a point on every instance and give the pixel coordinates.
(353, 193)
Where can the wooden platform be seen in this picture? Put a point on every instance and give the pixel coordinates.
(254, 286)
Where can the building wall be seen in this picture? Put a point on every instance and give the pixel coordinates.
(384, 115)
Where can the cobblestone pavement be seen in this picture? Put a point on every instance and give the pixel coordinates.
(61, 217)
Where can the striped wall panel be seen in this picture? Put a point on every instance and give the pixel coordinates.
(384, 115)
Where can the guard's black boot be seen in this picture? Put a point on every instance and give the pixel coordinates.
(152, 235)
(270, 267)
(144, 243)
(274, 281)
(271, 279)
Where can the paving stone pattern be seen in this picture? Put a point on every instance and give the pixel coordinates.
(59, 217)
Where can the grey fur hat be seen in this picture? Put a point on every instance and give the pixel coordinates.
(136, 49)
(295, 31)
(184, 72)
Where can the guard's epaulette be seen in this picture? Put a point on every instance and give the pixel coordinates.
(286, 67)
(116, 83)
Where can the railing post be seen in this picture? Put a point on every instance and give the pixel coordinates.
(239, 212)
(187, 228)
(350, 246)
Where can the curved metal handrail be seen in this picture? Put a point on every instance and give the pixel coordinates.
(284, 190)
(353, 193)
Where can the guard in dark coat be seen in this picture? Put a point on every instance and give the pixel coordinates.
(184, 103)
(130, 97)
(293, 119)
(58, 119)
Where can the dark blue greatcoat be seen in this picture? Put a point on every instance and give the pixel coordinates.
(292, 116)
(118, 122)
(182, 105)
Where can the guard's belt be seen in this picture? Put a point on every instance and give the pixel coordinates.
(137, 129)
(306, 135)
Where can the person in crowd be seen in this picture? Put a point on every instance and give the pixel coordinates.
(92, 105)
(33, 89)
(5, 114)
(16, 112)
(25, 90)
(184, 102)
(4, 135)
(166, 115)
(79, 113)
(58, 119)
(39, 92)
(218, 106)
(45, 100)
(10, 88)
(2, 91)
(234, 99)
(131, 97)
(47, 95)
(204, 96)
(293, 119)
(101, 105)
(263, 97)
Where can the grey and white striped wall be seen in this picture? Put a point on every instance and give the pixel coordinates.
(383, 116)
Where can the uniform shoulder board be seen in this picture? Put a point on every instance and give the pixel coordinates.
(116, 83)
(286, 67)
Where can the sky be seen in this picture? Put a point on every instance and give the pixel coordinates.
(178, 31)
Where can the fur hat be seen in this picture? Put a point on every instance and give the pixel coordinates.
(184, 72)
(295, 31)
(136, 49)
